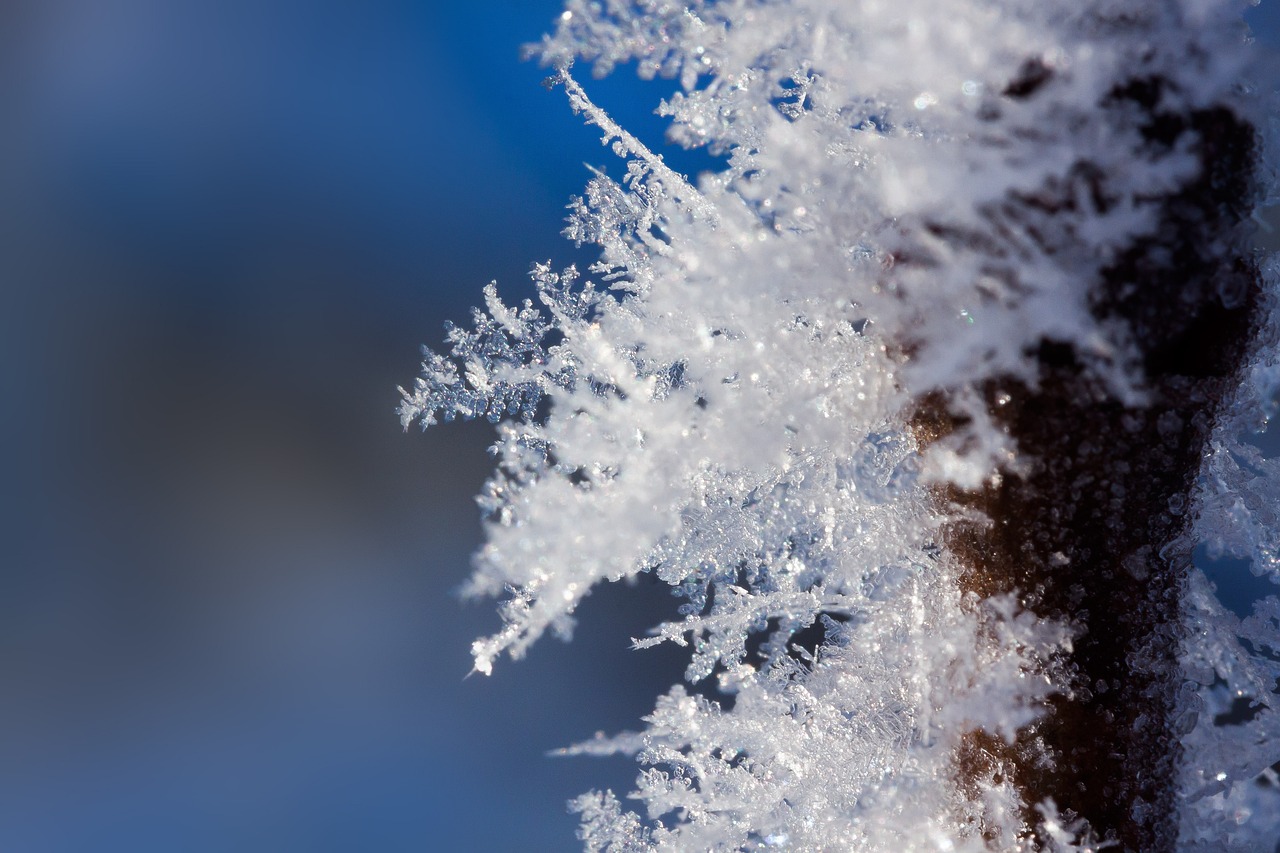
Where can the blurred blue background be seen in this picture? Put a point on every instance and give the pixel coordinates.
(226, 609)
(227, 618)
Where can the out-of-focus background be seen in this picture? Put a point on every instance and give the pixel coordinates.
(227, 618)
(227, 609)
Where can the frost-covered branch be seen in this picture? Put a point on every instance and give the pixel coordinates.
(949, 365)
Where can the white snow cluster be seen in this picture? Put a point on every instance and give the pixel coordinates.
(724, 400)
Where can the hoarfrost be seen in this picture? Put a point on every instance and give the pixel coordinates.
(920, 205)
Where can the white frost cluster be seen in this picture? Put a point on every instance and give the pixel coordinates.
(723, 399)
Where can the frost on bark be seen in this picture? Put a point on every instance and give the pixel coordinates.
(922, 404)
(1091, 527)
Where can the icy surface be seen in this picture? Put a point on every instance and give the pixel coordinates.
(723, 400)
(1229, 783)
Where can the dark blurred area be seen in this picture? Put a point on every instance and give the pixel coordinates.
(227, 618)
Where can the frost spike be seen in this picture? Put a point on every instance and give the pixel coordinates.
(675, 183)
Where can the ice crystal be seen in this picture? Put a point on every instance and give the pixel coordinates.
(919, 197)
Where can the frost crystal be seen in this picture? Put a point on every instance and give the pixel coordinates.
(928, 372)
